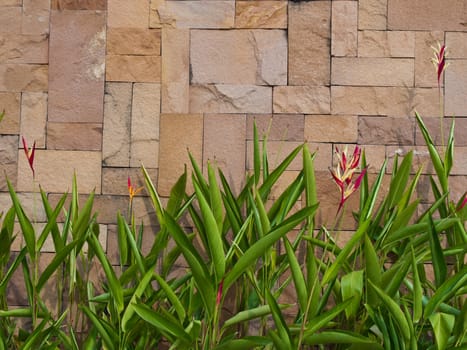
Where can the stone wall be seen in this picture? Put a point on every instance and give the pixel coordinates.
(102, 86)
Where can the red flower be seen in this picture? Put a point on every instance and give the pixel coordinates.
(30, 154)
(132, 190)
(219, 292)
(439, 61)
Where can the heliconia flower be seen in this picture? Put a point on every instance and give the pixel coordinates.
(29, 154)
(132, 190)
(463, 203)
(219, 292)
(439, 61)
(344, 172)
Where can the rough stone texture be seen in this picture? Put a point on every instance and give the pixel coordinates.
(74, 136)
(127, 14)
(117, 123)
(425, 74)
(133, 41)
(192, 14)
(78, 4)
(114, 180)
(456, 89)
(344, 28)
(77, 66)
(8, 149)
(36, 17)
(145, 117)
(376, 43)
(309, 32)
(230, 99)
(301, 99)
(9, 22)
(179, 134)
(457, 44)
(375, 155)
(10, 103)
(23, 77)
(323, 155)
(261, 14)
(386, 130)
(34, 117)
(9, 172)
(238, 57)
(372, 71)
(15, 48)
(142, 69)
(372, 14)
(175, 70)
(276, 127)
(11, 3)
(331, 128)
(448, 15)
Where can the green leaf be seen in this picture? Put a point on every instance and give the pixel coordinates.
(256, 155)
(417, 291)
(443, 325)
(437, 257)
(172, 296)
(156, 201)
(339, 337)
(297, 275)
(449, 154)
(372, 270)
(371, 199)
(399, 181)
(352, 287)
(102, 328)
(246, 343)
(215, 198)
(250, 314)
(323, 320)
(281, 326)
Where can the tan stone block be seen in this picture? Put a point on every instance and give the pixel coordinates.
(276, 127)
(331, 128)
(31, 204)
(34, 117)
(10, 103)
(180, 134)
(375, 156)
(36, 17)
(5, 3)
(261, 14)
(224, 146)
(8, 149)
(23, 77)
(372, 71)
(456, 89)
(117, 121)
(376, 43)
(78, 5)
(192, 14)
(175, 70)
(248, 57)
(372, 14)
(77, 66)
(134, 41)
(115, 180)
(74, 136)
(142, 69)
(15, 48)
(427, 15)
(344, 28)
(456, 43)
(421, 158)
(127, 14)
(10, 172)
(433, 125)
(145, 117)
(309, 31)
(323, 155)
(9, 22)
(86, 165)
(386, 131)
(425, 73)
(301, 99)
(220, 98)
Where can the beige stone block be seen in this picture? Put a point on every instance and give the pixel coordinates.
(256, 57)
(421, 158)
(434, 128)
(220, 98)
(34, 117)
(74, 136)
(9, 20)
(301, 99)
(5, 3)
(141, 69)
(78, 5)
(23, 77)
(175, 70)
(10, 172)
(276, 127)
(86, 166)
(36, 17)
(375, 156)
(117, 122)
(386, 131)
(376, 43)
(425, 73)
(134, 41)
(331, 128)
(456, 43)
(372, 71)
(180, 134)
(372, 14)
(447, 15)
(8, 149)
(115, 180)
(10, 103)
(16, 48)
(192, 14)
(261, 14)
(344, 28)
(456, 89)
(323, 155)
(127, 14)
(145, 116)
(309, 32)
(31, 203)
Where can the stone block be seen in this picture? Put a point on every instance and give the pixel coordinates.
(5, 3)
(425, 73)
(134, 41)
(344, 28)
(86, 166)
(261, 14)
(238, 57)
(331, 128)
(78, 5)
(9, 20)
(31, 204)
(276, 127)
(114, 180)
(372, 14)
(142, 69)
(127, 14)
(10, 103)
(309, 32)
(277, 151)
(23, 77)
(456, 89)
(447, 15)
(376, 43)
(456, 43)
(8, 149)
(372, 71)
(74, 136)
(179, 134)
(36, 17)
(117, 124)
(301, 99)
(175, 70)
(34, 117)
(17, 48)
(386, 131)
(323, 155)
(433, 125)
(220, 98)
(375, 156)
(192, 14)
(145, 117)
(224, 146)
(77, 66)
(10, 172)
